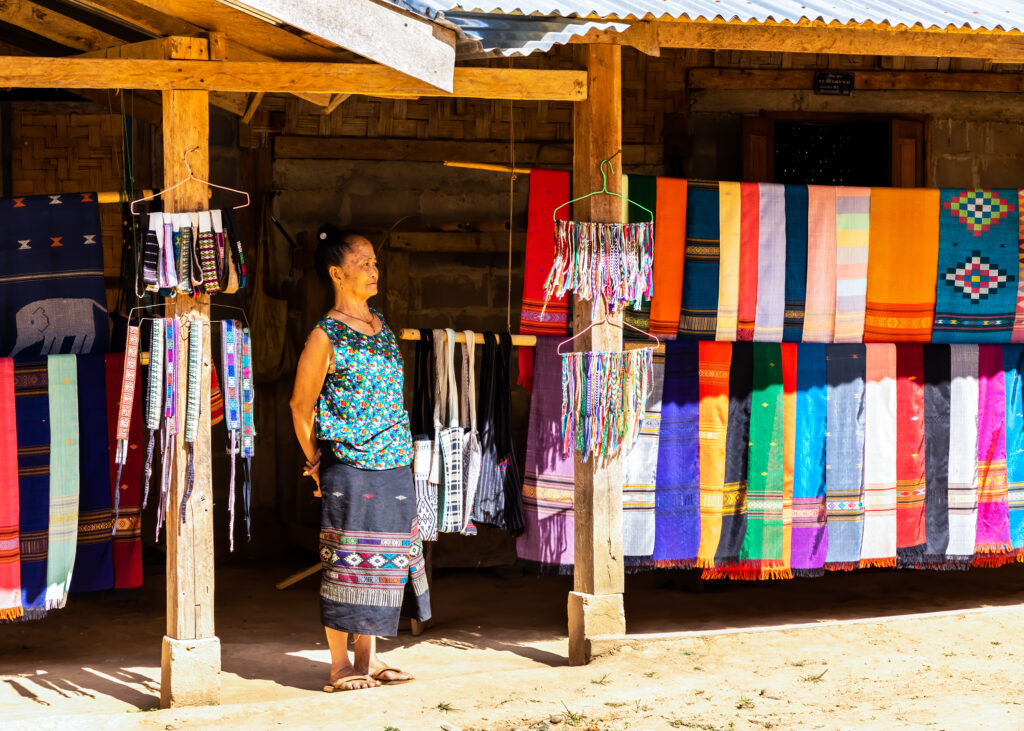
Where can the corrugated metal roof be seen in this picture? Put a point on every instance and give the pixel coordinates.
(481, 34)
(1006, 15)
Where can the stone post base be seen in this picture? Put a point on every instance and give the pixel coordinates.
(591, 615)
(190, 672)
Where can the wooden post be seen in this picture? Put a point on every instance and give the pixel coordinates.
(190, 662)
(595, 606)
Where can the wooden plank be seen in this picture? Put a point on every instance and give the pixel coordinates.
(52, 25)
(597, 135)
(385, 34)
(298, 576)
(818, 38)
(713, 78)
(289, 77)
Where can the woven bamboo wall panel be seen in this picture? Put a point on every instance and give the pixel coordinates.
(69, 148)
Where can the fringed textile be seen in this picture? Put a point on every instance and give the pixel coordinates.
(542, 315)
(94, 566)
(820, 310)
(879, 545)
(789, 372)
(771, 264)
(737, 440)
(698, 313)
(904, 248)
(978, 266)
(810, 539)
(207, 246)
(796, 262)
(1013, 364)
(993, 536)
(603, 400)
(171, 365)
(937, 375)
(10, 552)
(548, 540)
(151, 252)
(677, 495)
(1017, 336)
(963, 454)
(640, 474)
(643, 191)
(33, 414)
(126, 484)
(750, 221)
(62, 383)
(715, 360)
(910, 454)
(729, 227)
(853, 219)
(845, 449)
(603, 262)
(216, 398)
(669, 256)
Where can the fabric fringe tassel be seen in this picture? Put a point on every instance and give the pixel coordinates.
(878, 563)
(57, 603)
(682, 563)
(31, 614)
(11, 614)
(992, 560)
(769, 574)
(704, 563)
(165, 483)
(842, 566)
(958, 563)
(808, 573)
(909, 557)
(737, 573)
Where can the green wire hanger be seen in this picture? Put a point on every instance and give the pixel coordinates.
(604, 189)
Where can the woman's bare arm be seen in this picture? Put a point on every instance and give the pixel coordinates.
(314, 364)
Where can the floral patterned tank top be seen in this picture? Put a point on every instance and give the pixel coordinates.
(360, 408)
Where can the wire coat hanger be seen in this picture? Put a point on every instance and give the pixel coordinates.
(603, 321)
(191, 176)
(604, 189)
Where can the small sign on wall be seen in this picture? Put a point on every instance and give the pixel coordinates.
(833, 83)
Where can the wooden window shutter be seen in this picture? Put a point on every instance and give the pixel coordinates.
(907, 153)
(758, 150)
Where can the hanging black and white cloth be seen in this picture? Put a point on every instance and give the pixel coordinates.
(423, 436)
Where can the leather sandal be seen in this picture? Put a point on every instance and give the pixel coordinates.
(336, 686)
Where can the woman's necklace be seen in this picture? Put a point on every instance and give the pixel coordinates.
(354, 317)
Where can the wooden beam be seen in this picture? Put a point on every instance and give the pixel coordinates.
(52, 25)
(385, 34)
(803, 79)
(289, 77)
(190, 664)
(595, 605)
(817, 38)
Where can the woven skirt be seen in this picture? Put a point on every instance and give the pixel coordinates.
(370, 548)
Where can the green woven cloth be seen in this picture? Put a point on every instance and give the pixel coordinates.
(642, 189)
(62, 372)
(763, 540)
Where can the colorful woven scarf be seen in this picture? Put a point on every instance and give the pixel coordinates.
(603, 399)
(125, 406)
(729, 227)
(992, 541)
(669, 255)
(789, 371)
(603, 262)
(904, 246)
(62, 380)
(910, 469)
(643, 193)
(820, 311)
(10, 552)
(151, 252)
(810, 540)
(248, 446)
(879, 544)
(183, 237)
(1017, 336)
(194, 389)
(737, 440)
(32, 411)
(699, 309)
(979, 260)
(548, 487)
(845, 445)
(937, 376)
(677, 495)
(639, 476)
(172, 333)
(796, 262)
(853, 221)
(168, 265)
(715, 361)
(761, 551)
(542, 315)
(963, 455)
(771, 264)
(154, 397)
(207, 245)
(232, 410)
(750, 221)
(1013, 364)
(94, 567)
(127, 538)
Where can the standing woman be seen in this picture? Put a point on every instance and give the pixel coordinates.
(350, 421)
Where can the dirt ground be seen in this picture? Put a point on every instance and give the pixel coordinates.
(871, 650)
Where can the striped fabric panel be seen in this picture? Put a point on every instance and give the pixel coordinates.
(729, 260)
(820, 314)
(771, 264)
(963, 452)
(879, 547)
(853, 219)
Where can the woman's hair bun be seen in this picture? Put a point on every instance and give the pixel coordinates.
(329, 231)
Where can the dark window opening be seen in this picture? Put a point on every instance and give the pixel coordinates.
(832, 153)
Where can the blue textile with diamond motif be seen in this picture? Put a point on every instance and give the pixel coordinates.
(360, 409)
(976, 287)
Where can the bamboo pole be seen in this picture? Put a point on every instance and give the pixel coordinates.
(486, 166)
(116, 196)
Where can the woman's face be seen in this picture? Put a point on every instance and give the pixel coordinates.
(357, 275)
